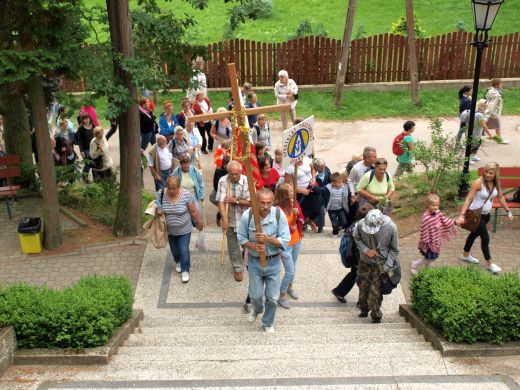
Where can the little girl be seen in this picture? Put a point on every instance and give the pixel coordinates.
(436, 229)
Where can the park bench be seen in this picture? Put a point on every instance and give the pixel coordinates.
(9, 169)
(509, 179)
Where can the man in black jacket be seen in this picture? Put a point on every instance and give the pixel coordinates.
(322, 179)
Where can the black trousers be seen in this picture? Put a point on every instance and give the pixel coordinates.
(338, 219)
(206, 129)
(347, 283)
(483, 233)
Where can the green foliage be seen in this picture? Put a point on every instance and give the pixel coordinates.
(467, 304)
(82, 316)
(360, 32)
(461, 26)
(442, 161)
(400, 27)
(306, 29)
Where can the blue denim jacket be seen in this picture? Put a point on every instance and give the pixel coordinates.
(197, 179)
(270, 228)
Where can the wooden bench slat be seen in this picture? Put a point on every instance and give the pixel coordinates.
(10, 172)
(12, 159)
(3, 194)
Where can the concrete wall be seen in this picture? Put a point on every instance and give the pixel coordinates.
(7, 347)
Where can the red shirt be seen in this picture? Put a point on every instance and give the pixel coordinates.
(271, 180)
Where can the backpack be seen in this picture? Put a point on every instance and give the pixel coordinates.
(348, 249)
(397, 145)
(516, 196)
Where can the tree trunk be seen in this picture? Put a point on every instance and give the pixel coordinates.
(17, 134)
(52, 235)
(128, 216)
(345, 52)
(414, 73)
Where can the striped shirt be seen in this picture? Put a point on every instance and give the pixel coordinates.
(238, 190)
(436, 229)
(336, 198)
(178, 217)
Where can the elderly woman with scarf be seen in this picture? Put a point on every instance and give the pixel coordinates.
(64, 148)
(378, 244)
(179, 146)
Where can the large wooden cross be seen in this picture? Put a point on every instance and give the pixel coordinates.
(241, 121)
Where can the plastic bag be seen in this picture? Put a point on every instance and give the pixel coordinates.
(202, 243)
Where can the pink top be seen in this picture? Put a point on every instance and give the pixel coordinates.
(92, 112)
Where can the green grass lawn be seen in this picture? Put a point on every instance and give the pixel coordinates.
(373, 16)
(358, 105)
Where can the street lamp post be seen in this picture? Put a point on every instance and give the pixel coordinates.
(484, 14)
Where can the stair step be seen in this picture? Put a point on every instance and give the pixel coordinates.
(288, 367)
(260, 338)
(159, 328)
(244, 352)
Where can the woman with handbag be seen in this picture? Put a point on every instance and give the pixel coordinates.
(475, 214)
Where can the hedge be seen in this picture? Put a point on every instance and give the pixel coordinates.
(468, 304)
(84, 315)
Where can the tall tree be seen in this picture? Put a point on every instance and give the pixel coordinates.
(41, 37)
(414, 72)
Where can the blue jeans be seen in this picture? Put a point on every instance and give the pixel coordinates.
(180, 247)
(270, 278)
(147, 138)
(289, 258)
(164, 175)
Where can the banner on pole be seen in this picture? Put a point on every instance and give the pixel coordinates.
(297, 142)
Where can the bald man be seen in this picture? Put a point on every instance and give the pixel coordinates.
(160, 161)
(238, 201)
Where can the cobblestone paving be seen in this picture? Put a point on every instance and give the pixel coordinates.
(117, 258)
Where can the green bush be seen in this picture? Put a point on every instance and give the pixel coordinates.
(82, 316)
(467, 304)
(400, 26)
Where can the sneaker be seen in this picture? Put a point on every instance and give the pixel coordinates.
(320, 229)
(178, 267)
(185, 277)
(339, 297)
(475, 158)
(470, 259)
(493, 268)
(268, 329)
(471, 162)
(363, 314)
(283, 302)
(251, 316)
(504, 142)
(293, 293)
(247, 308)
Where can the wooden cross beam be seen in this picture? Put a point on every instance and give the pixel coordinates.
(241, 121)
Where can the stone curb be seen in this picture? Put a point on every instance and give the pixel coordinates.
(88, 356)
(111, 244)
(73, 216)
(449, 349)
(7, 347)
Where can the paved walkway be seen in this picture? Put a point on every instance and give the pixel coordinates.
(58, 271)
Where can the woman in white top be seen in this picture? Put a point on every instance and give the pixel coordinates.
(100, 154)
(309, 200)
(286, 91)
(481, 195)
(198, 81)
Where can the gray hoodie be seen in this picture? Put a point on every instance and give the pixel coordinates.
(387, 242)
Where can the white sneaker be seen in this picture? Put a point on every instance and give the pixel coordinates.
(470, 259)
(475, 158)
(471, 162)
(251, 316)
(178, 267)
(185, 277)
(268, 329)
(504, 141)
(493, 268)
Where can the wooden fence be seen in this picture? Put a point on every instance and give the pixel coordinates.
(381, 58)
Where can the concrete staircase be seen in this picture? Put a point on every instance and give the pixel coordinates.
(198, 336)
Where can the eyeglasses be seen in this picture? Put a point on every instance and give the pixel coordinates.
(381, 161)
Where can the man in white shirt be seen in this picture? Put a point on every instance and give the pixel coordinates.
(357, 172)
(160, 162)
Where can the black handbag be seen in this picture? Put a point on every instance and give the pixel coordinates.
(385, 283)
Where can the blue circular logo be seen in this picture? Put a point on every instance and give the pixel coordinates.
(298, 143)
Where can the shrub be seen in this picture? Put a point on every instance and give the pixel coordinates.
(467, 304)
(442, 162)
(82, 316)
(305, 28)
(400, 27)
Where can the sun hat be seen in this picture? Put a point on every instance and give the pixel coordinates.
(374, 220)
